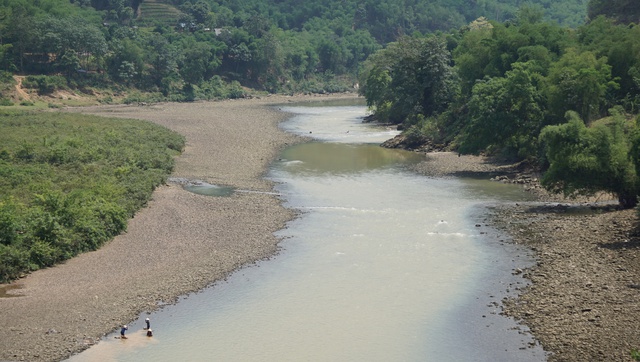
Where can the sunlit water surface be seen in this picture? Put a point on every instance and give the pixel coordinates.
(382, 265)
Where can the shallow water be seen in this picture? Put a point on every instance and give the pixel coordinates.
(210, 190)
(382, 265)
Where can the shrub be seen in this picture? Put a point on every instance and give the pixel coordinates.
(6, 77)
(235, 90)
(13, 263)
(45, 84)
(42, 254)
(9, 225)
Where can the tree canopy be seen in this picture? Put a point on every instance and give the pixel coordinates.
(622, 11)
(585, 160)
(277, 46)
(509, 87)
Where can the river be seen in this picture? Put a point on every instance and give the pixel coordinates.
(382, 264)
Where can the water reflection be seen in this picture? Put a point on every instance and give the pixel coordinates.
(340, 158)
(210, 190)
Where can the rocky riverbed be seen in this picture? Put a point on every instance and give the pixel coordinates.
(583, 303)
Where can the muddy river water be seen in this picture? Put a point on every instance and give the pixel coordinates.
(382, 264)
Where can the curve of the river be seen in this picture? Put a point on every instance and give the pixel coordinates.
(381, 265)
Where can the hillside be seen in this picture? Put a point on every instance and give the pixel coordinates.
(158, 12)
(168, 49)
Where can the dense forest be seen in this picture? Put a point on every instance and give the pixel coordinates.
(565, 100)
(186, 49)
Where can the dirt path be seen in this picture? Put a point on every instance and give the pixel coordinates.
(21, 93)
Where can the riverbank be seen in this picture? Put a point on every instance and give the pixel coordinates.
(179, 244)
(584, 301)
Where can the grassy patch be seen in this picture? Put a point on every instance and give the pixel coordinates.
(70, 182)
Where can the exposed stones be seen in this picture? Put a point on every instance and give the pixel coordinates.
(581, 306)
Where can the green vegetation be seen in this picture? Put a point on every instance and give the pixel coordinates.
(525, 89)
(206, 49)
(622, 11)
(585, 160)
(70, 182)
(525, 82)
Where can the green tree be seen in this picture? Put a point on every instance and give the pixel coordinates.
(126, 61)
(620, 44)
(198, 62)
(300, 57)
(68, 63)
(505, 114)
(489, 48)
(201, 13)
(583, 161)
(410, 77)
(579, 82)
(473, 54)
(68, 39)
(268, 61)
(376, 90)
(332, 55)
(623, 11)
(164, 58)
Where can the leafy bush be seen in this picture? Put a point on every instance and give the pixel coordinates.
(13, 262)
(584, 160)
(45, 84)
(214, 88)
(420, 130)
(6, 78)
(9, 226)
(235, 91)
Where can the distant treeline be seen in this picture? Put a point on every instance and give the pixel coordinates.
(205, 49)
(70, 182)
(563, 99)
